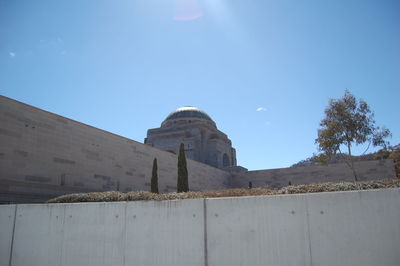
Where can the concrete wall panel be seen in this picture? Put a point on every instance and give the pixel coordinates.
(355, 228)
(165, 233)
(7, 216)
(94, 234)
(38, 235)
(257, 231)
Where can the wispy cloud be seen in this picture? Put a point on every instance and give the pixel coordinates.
(261, 109)
(53, 41)
(12, 54)
(53, 45)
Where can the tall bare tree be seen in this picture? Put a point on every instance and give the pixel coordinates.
(348, 122)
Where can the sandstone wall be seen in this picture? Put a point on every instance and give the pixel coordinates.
(43, 155)
(276, 178)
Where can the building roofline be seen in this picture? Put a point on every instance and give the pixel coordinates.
(98, 129)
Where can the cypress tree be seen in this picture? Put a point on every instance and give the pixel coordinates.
(183, 182)
(154, 177)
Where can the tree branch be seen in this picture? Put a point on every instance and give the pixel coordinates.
(369, 144)
(344, 158)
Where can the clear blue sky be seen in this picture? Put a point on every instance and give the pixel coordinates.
(123, 66)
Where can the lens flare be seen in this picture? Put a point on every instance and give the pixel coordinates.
(187, 10)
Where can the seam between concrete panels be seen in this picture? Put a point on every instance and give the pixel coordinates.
(63, 234)
(205, 232)
(308, 230)
(12, 237)
(124, 232)
(102, 212)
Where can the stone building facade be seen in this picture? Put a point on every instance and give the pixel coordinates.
(44, 155)
(195, 128)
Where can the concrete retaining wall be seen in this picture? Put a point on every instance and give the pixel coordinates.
(44, 155)
(277, 178)
(359, 228)
(343, 228)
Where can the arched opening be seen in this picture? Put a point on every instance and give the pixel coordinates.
(225, 160)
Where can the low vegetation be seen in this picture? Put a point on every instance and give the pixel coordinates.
(293, 189)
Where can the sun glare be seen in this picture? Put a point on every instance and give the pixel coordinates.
(187, 10)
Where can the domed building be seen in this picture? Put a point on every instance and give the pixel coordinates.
(195, 128)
